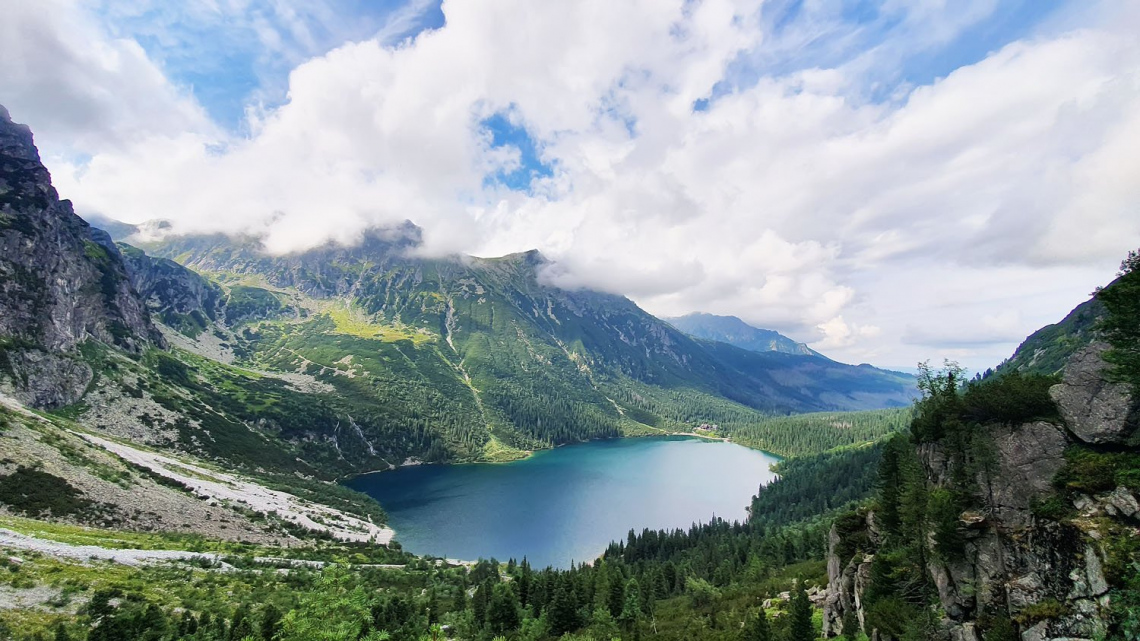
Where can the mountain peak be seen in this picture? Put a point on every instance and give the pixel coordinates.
(734, 331)
(64, 282)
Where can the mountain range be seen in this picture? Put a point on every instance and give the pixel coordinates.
(346, 358)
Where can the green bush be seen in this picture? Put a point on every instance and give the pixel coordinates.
(34, 492)
(892, 615)
(1047, 609)
(1010, 399)
(1088, 471)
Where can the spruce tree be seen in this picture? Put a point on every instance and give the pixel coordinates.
(1121, 325)
(270, 622)
(481, 601)
(615, 600)
(758, 628)
(631, 610)
(240, 626)
(563, 611)
(503, 613)
(799, 623)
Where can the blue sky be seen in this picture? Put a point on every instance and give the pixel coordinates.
(887, 180)
(235, 54)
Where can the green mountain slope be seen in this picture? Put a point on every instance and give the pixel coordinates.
(510, 362)
(1048, 349)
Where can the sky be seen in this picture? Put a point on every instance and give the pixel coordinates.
(890, 181)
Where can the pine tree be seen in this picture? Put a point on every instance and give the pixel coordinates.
(240, 625)
(799, 625)
(563, 611)
(526, 577)
(850, 625)
(503, 613)
(1121, 325)
(481, 601)
(631, 610)
(615, 600)
(758, 628)
(270, 622)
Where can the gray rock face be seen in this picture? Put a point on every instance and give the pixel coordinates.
(59, 285)
(1094, 409)
(41, 379)
(169, 289)
(1028, 457)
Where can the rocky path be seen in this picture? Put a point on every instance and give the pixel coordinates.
(15, 540)
(134, 557)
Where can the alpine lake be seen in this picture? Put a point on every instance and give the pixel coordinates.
(567, 504)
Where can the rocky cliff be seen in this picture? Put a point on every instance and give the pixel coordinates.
(61, 283)
(173, 294)
(1052, 533)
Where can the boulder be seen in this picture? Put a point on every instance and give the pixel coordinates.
(1095, 409)
(1028, 457)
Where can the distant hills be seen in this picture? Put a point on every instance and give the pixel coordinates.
(732, 330)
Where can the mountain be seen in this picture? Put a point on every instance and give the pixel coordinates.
(1048, 349)
(542, 365)
(62, 283)
(349, 358)
(732, 330)
(1031, 527)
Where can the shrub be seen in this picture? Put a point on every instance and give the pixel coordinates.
(1047, 609)
(34, 492)
(1010, 399)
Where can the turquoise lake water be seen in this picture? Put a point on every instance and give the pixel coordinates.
(568, 503)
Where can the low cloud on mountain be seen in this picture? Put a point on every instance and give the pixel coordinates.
(798, 168)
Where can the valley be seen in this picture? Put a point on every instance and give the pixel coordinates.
(198, 440)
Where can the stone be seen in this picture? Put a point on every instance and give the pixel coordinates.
(1085, 505)
(1036, 633)
(1124, 502)
(964, 632)
(1025, 590)
(1094, 571)
(1028, 457)
(1095, 409)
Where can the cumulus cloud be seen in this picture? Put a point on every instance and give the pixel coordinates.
(878, 229)
(89, 92)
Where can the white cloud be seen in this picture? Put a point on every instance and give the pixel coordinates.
(879, 231)
(83, 90)
(838, 333)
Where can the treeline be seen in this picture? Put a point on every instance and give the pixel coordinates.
(794, 435)
(813, 485)
(802, 434)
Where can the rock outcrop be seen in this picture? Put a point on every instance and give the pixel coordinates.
(174, 294)
(1095, 409)
(1047, 574)
(61, 283)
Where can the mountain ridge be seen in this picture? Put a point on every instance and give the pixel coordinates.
(734, 331)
